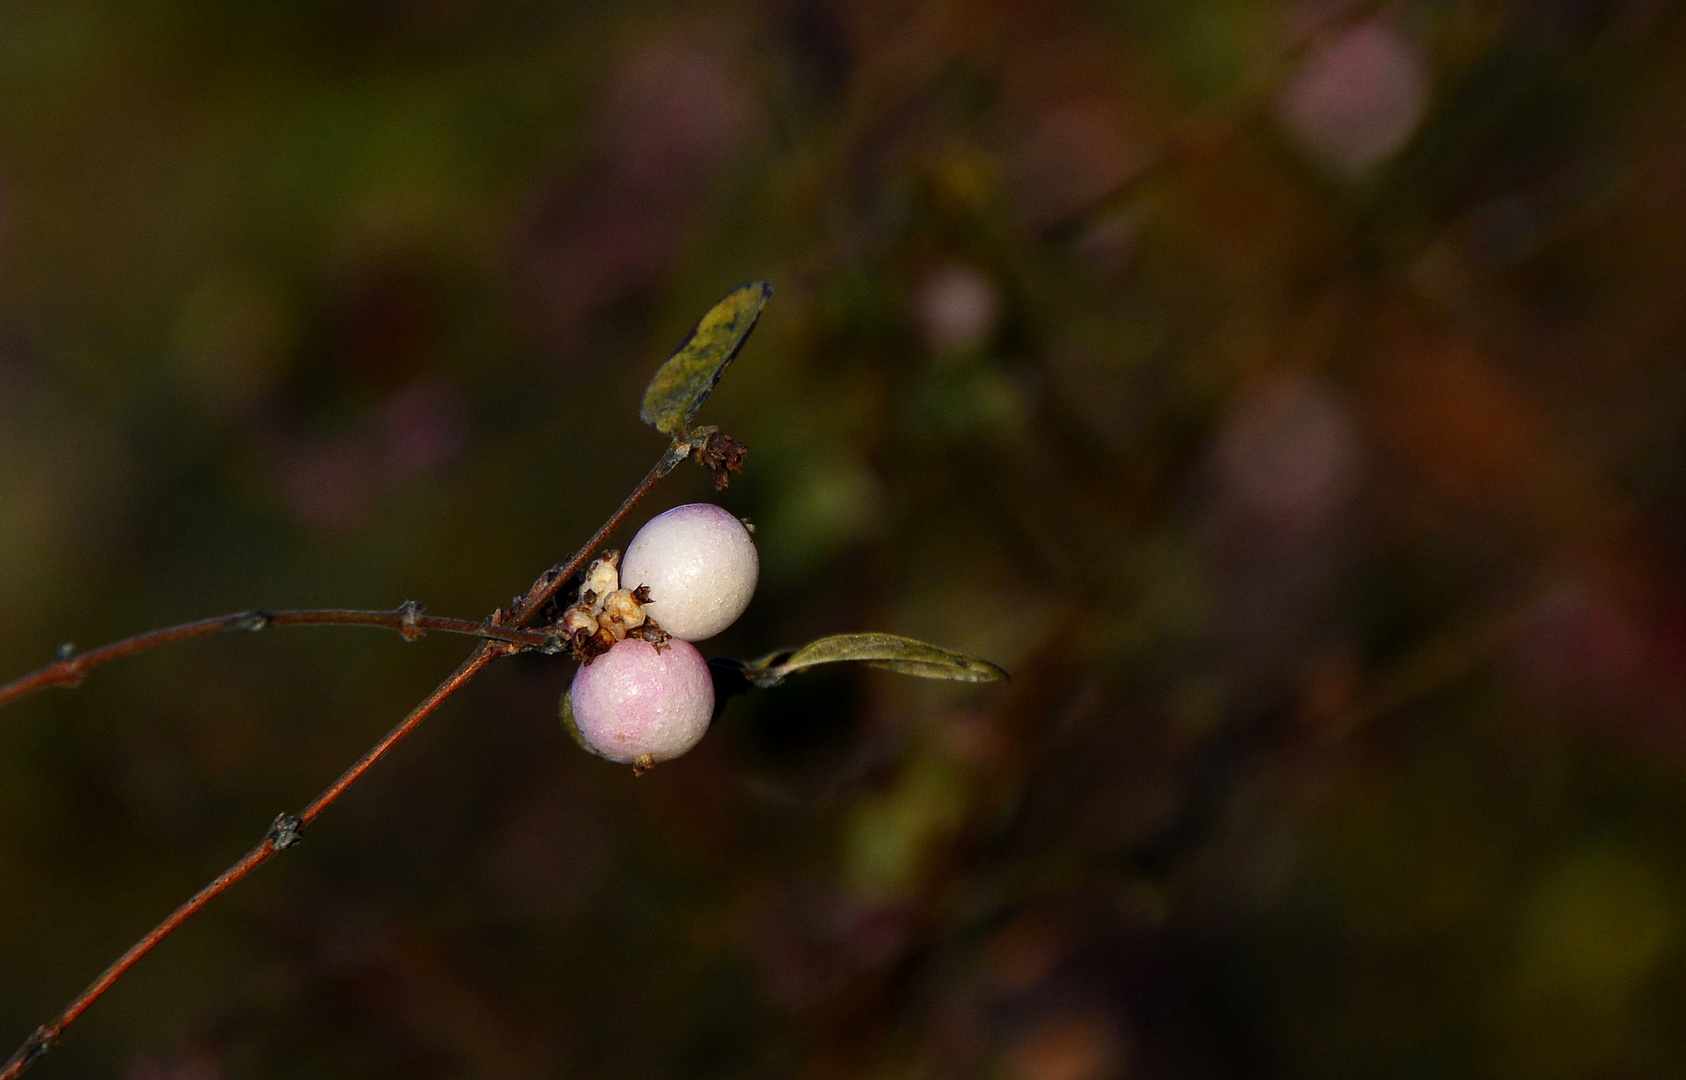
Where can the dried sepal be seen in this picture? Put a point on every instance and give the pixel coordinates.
(587, 649)
(652, 633)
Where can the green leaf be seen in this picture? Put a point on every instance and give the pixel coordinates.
(889, 651)
(682, 384)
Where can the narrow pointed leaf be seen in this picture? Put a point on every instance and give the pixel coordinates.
(889, 651)
(682, 384)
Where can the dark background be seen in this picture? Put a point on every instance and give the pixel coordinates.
(1288, 394)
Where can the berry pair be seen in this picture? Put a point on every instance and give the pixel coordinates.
(690, 573)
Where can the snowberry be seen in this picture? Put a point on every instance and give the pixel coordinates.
(700, 567)
(638, 705)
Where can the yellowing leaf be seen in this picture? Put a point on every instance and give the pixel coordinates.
(684, 381)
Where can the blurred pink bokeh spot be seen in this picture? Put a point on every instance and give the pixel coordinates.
(333, 481)
(958, 308)
(1289, 458)
(422, 426)
(1356, 100)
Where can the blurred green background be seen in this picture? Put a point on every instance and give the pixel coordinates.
(1288, 393)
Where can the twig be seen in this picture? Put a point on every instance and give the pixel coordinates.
(557, 576)
(1204, 136)
(68, 668)
(282, 835)
(284, 831)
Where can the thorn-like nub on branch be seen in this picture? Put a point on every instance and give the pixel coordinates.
(721, 455)
(285, 831)
(253, 621)
(39, 1042)
(70, 673)
(36, 1046)
(409, 612)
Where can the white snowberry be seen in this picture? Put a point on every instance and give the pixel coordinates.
(637, 705)
(700, 567)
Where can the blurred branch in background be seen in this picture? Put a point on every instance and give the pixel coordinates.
(1286, 393)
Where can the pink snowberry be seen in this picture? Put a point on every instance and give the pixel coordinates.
(637, 705)
(700, 567)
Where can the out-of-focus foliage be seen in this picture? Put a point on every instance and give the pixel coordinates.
(1289, 394)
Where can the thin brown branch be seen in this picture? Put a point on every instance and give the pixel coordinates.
(557, 576)
(282, 835)
(459, 678)
(69, 669)
(505, 636)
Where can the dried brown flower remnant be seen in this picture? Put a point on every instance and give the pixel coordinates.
(622, 612)
(605, 613)
(603, 578)
(579, 624)
(721, 455)
(652, 633)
